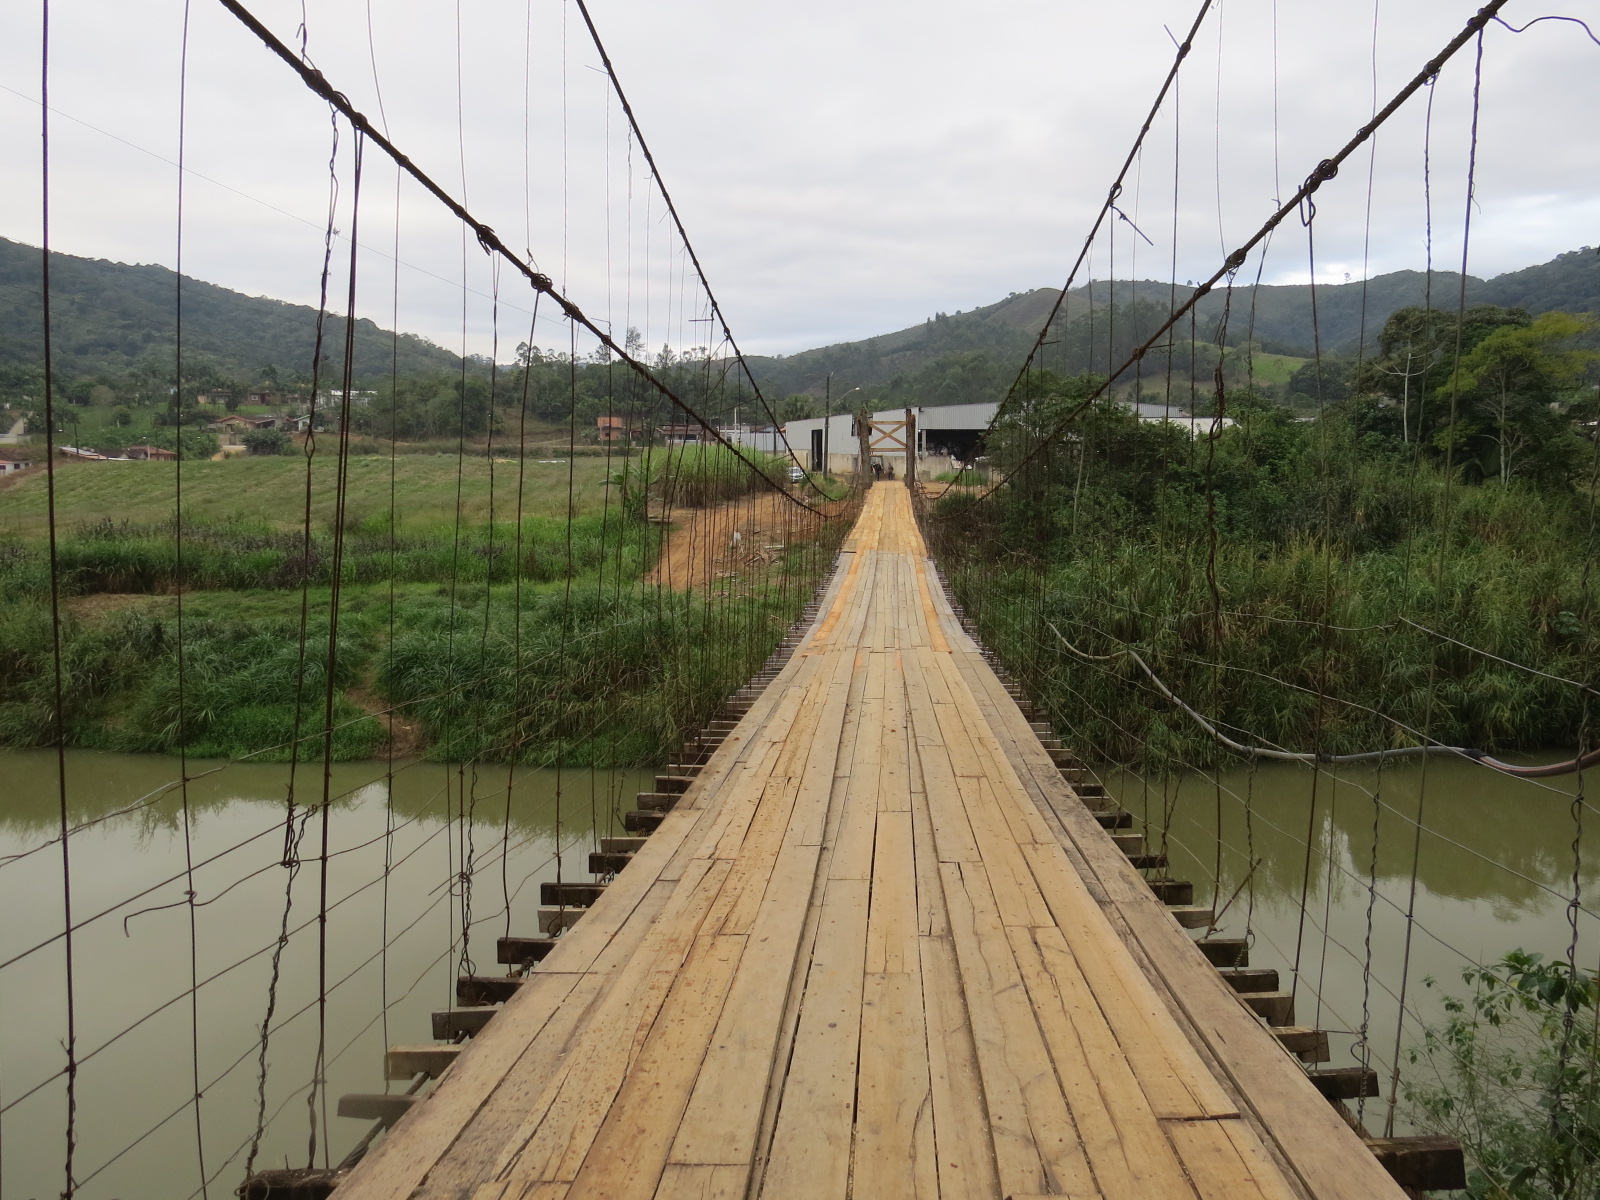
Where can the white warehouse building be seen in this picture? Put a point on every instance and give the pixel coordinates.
(947, 435)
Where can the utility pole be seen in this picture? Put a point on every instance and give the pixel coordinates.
(864, 440)
(827, 419)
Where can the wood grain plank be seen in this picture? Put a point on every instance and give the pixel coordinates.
(894, 1143)
(1226, 1162)
(1037, 1148)
(892, 916)
(683, 1182)
(810, 1151)
(962, 1125)
(629, 1152)
(1127, 1150)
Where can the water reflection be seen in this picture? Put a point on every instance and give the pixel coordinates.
(1493, 872)
(409, 860)
(1485, 836)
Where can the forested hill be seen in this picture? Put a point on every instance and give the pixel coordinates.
(1277, 316)
(115, 321)
(110, 315)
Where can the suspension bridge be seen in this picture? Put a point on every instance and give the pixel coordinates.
(954, 880)
(885, 941)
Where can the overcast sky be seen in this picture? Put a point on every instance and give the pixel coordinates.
(844, 169)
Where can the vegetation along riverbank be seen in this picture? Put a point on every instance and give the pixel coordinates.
(457, 630)
(1412, 563)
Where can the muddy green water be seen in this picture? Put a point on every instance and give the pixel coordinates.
(1495, 866)
(137, 1031)
(1494, 861)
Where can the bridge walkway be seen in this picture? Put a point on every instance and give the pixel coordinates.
(878, 950)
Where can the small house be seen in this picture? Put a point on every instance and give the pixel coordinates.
(682, 435)
(614, 429)
(14, 458)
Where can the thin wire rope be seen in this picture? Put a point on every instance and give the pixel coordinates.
(177, 533)
(683, 234)
(1433, 832)
(1112, 193)
(1327, 169)
(486, 237)
(70, 1044)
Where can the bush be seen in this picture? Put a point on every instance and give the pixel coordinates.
(1514, 1077)
(268, 441)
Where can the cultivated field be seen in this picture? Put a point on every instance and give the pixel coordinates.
(272, 490)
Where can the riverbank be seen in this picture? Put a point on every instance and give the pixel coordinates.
(540, 640)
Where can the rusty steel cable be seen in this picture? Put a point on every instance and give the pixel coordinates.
(490, 241)
(1325, 170)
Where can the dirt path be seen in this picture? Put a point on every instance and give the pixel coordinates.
(706, 546)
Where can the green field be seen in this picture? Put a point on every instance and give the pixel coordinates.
(1276, 368)
(272, 491)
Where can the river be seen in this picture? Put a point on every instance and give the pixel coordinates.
(138, 1034)
(1495, 864)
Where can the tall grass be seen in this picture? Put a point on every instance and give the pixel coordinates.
(699, 476)
(239, 692)
(121, 557)
(1318, 566)
(591, 678)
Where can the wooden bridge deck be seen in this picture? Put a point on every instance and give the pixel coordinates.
(878, 950)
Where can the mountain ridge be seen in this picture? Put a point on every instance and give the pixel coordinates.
(1278, 316)
(110, 316)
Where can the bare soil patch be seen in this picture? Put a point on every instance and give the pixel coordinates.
(706, 547)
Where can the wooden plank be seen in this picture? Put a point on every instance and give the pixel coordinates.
(953, 836)
(810, 1152)
(777, 1070)
(961, 1120)
(558, 1130)
(1271, 1088)
(383, 1107)
(407, 1062)
(724, 1108)
(1225, 1161)
(1037, 1148)
(685, 1182)
(629, 1152)
(1127, 1152)
(894, 766)
(1176, 1081)
(497, 1120)
(892, 916)
(894, 1134)
(1427, 1163)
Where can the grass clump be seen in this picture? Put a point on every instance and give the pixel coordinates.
(242, 690)
(700, 476)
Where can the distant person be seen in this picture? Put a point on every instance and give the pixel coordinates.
(877, 470)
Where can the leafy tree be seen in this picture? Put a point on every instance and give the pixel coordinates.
(1417, 353)
(196, 442)
(1515, 1078)
(1508, 384)
(268, 441)
(796, 408)
(1315, 383)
